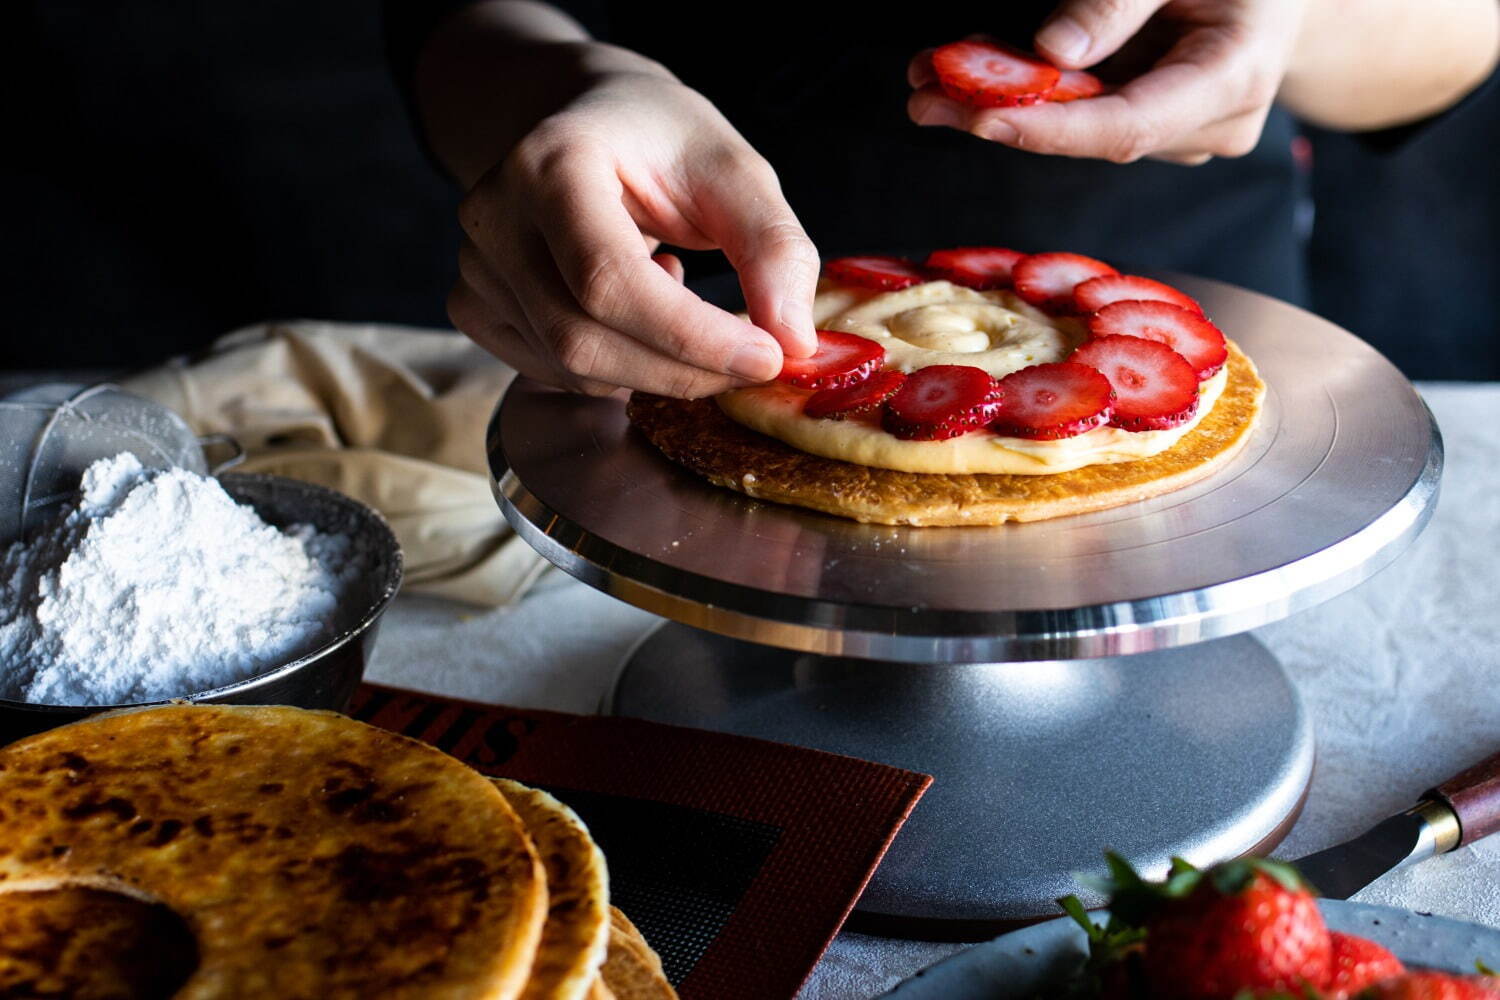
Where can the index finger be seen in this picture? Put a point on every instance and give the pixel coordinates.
(919, 71)
(600, 254)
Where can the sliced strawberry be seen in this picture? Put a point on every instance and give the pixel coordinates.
(942, 401)
(1155, 388)
(861, 397)
(1358, 963)
(1047, 402)
(986, 75)
(1047, 280)
(884, 273)
(975, 267)
(1096, 293)
(842, 359)
(1187, 333)
(1075, 83)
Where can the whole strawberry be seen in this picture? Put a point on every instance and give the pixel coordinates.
(1434, 986)
(1358, 963)
(1243, 927)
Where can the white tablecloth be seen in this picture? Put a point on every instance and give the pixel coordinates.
(1399, 674)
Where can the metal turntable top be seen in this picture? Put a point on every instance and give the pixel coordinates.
(1340, 475)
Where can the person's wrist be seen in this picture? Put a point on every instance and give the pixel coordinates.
(600, 61)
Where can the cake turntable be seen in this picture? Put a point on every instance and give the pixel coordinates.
(1072, 684)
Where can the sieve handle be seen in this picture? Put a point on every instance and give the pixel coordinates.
(236, 451)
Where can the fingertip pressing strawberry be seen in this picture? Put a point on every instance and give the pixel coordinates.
(1047, 280)
(940, 402)
(1096, 293)
(842, 359)
(1188, 333)
(853, 400)
(981, 268)
(1052, 401)
(989, 75)
(886, 274)
(1155, 387)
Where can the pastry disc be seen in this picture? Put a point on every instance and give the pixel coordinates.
(697, 435)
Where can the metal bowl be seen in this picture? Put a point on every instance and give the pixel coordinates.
(323, 678)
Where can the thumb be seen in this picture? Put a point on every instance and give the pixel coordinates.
(1081, 33)
(745, 213)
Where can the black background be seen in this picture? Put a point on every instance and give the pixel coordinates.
(176, 171)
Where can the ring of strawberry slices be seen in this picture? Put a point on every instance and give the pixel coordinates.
(1150, 364)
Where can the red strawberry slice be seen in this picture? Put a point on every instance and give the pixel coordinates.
(842, 359)
(986, 75)
(1096, 293)
(975, 267)
(942, 401)
(1155, 388)
(1187, 333)
(884, 273)
(1358, 963)
(1047, 280)
(1047, 402)
(861, 397)
(1074, 84)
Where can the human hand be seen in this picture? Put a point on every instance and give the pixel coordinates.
(1212, 70)
(559, 274)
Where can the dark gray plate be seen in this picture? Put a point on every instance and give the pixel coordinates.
(1043, 956)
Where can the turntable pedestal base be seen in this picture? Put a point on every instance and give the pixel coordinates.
(1203, 752)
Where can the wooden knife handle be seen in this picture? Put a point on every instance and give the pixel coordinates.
(1474, 795)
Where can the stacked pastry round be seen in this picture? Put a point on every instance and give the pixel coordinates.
(979, 387)
(224, 851)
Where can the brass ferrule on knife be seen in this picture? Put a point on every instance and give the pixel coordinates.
(1440, 827)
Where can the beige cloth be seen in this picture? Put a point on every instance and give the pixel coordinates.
(392, 416)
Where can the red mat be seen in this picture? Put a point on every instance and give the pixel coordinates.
(739, 859)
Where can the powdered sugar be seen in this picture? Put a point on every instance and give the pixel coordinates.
(156, 584)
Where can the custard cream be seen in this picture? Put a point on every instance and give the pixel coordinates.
(939, 323)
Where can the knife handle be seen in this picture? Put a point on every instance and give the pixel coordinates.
(1474, 796)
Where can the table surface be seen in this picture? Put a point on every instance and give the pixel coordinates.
(1395, 673)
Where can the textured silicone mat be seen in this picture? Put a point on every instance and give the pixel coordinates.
(738, 859)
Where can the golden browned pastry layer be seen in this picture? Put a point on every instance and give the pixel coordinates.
(697, 434)
(576, 934)
(632, 969)
(309, 855)
(87, 944)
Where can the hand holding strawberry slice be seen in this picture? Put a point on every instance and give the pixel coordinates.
(989, 75)
(974, 267)
(1096, 293)
(886, 274)
(1155, 387)
(1047, 402)
(940, 402)
(1047, 280)
(852, 400)
(842, 359)
(1190, 334)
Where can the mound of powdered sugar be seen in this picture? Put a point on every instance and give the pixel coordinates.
(156, 584)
